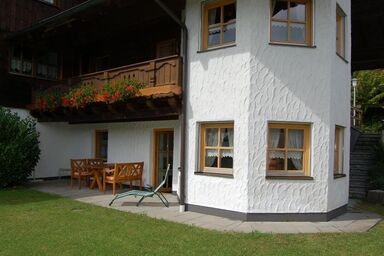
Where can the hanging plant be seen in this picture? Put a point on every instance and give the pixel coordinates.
(81, 96)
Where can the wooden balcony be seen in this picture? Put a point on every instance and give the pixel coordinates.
(159, 99)
(161, 77)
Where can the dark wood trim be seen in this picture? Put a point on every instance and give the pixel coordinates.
(289, 178)
(338, 176)
(212, 174)
(342, 58)
(217, 48)
(293, 45)
(273, 217)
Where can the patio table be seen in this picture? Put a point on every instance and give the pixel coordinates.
(97, 169)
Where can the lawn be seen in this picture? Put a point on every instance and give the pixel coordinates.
(34, 223)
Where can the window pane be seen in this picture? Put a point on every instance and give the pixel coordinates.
(213, 36)
(27, 67)
(295, 138)
(16, 65)
(295, 161)
(229, 33)
(297, 33)
(211, 156)
(226, 139)
(297, 12)
(279, 31)
(229, 12)
(276, 160)
(280, 9)
(276, 138)
(226, 160)
(214, 16)
(211, 137)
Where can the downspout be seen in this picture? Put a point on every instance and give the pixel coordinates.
(183, 117)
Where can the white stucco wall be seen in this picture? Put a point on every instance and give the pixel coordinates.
(127, 142)
(340, 101)
(254, 83)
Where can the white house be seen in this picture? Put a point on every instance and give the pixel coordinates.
(263, 133)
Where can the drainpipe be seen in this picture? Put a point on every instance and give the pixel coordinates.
(183, 117)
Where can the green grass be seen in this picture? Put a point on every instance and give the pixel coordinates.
(34, 223)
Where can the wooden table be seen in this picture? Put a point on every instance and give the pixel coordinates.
(97, 169)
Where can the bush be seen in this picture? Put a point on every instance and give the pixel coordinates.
(19, 148)
(376, 173)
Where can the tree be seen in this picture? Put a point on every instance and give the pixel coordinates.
(370, 90)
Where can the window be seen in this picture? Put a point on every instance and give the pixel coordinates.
(291, 21)
(24, 61)
(101, 145)
(339, 151)
(288, 149)
(47, 66)
(216, 148)
(21, 61)
(340, 32)
(219, 24)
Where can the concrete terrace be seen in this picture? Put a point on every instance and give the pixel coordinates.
(353, 221)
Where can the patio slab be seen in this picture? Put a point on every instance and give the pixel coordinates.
(353, 221)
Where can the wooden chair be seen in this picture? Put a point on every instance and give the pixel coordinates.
(123, 172)
(80, 171)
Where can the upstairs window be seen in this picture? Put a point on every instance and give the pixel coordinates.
(21, 61)
(47, 66)
(340, 32)
(219, 24)
(24, 61)
(291, 21)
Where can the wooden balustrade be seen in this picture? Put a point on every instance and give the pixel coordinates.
(158, 76)
(356, 117)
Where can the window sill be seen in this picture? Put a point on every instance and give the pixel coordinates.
(342, 58)
(213, 174)
(217, 48)
(33, 76)
(338, 176)
(289, 178)
(292, 45)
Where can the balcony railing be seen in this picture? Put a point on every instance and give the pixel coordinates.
(159, 76)
(356, 117)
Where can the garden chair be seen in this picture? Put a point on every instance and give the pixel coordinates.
(80, 171)
(144, 194)
(123, 172)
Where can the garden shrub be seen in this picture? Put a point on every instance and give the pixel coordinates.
(19, 148)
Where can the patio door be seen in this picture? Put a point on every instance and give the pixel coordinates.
(163, 155)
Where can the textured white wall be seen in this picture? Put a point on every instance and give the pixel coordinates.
(252, 84)
(127, 142)
(341, 95)
(218, 91)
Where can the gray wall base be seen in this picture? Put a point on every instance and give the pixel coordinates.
(313, 217)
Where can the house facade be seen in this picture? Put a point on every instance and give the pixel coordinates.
(248, 100)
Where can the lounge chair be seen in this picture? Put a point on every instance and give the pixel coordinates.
(144, 194)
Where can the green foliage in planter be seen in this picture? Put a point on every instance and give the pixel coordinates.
(19, 148)
(376, 174)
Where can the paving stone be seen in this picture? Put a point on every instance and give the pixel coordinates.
(349, 222)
